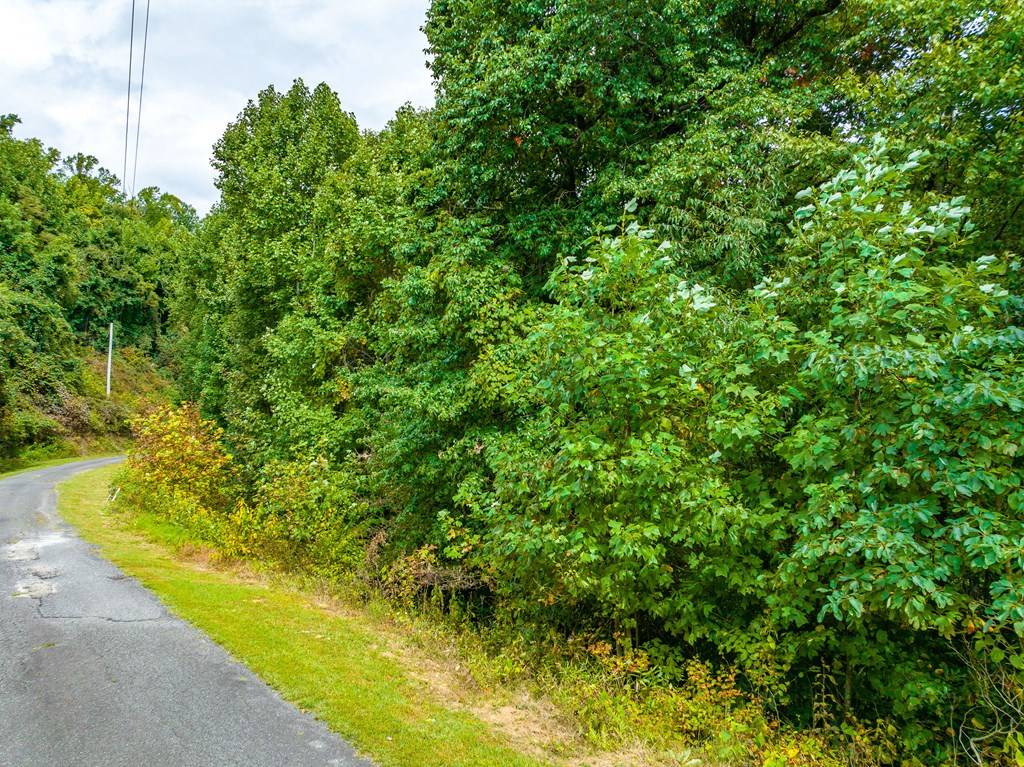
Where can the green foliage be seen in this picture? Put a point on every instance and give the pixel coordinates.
(770, 418)
(832, 455)
(268, 289)
(301, 513)
(74, 255)
(316, 511)
(176, 448)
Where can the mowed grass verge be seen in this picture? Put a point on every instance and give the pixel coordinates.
(335, 665)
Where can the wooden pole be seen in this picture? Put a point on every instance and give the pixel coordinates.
(110, 356)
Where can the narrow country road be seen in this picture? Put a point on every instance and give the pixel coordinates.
(95, 673)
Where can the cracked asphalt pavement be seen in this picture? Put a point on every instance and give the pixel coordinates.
(95, 672)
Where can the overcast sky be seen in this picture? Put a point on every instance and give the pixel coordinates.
(64, 69)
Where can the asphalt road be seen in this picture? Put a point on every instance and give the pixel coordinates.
(95, 673)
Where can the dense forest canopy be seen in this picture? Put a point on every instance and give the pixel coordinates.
(694, 325)
(74, 256)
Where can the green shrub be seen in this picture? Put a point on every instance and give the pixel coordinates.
(832, 457)
(316, 510)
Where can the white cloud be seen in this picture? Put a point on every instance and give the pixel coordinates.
(63, 70)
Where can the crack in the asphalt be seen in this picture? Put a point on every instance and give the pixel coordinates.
(41, 614)
(98, 618)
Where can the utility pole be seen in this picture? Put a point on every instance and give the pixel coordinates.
(110, 356)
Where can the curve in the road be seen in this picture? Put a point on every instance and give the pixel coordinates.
(95, 673)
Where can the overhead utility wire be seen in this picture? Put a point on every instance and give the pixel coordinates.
(128, 108)
(142, 84)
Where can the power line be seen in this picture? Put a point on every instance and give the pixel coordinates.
(142, 84)
(128, 108)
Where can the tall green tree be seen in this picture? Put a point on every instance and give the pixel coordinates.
(264, 247)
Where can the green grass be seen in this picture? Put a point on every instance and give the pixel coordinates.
(333, 665)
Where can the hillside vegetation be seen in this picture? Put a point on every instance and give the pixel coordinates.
(690, 329)
(75, 255)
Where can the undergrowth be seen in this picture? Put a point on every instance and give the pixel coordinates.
(611, 695)
(82, 420)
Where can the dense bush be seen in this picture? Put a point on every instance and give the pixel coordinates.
(298, 513)
(824, 468)
(176, 448)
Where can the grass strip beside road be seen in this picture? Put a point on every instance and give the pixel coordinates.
(334, 665)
